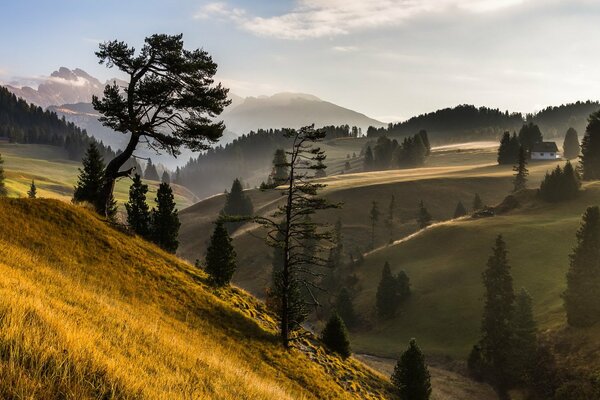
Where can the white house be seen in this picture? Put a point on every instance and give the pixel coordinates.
(545, 151)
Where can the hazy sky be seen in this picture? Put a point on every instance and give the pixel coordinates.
(390, 59)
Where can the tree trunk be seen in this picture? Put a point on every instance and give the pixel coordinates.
(285, 312)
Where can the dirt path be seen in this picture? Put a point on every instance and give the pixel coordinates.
(446, 385)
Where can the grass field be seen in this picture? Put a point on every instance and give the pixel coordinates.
(55, 176)
(87, 312)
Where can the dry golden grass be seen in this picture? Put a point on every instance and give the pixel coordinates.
(87, 312)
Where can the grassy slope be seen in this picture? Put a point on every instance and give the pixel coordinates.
(55, 176)
(89, 312)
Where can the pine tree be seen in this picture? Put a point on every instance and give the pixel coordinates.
(165, 220)
(411, 376)
(3, 191)
(504, 150)
(220, 256)
(560, 184)
(477, 203)
(460, 210)
(571, 147)
(91, 177)
(369, 162)
(237, 203)
(166, 178)
(525, 337)
(496, 328)
(32, 192)
(138, 212)
(390, 218)
(521, 171)
(150, 174)
(423, 216)
(335, 336)
(391, 291)
(590, 149)
(374, 217)
(583, 277)
(425, 140)
(529, 135)
(281, 168)
(345, 308)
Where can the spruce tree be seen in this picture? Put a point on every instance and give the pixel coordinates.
(460, 210)
(411, 376)
(335, 336)
(521, 171)
(374, 217)
(425, 140)
(220, 256)
(237, 204)
(390, 218)
(529, 135)
(477, 203)
(150, 174)
(369, 161)
(32, 192)
(504, 156)
(166, 178)
(138, 212)
(590, 149)
(525, 337)
(281, 168)
(165, 220)
(91, 177)
(571, 147)
(583, 277)
(3, 191)
(345, 308)
(496, 328)
(423, 216)
(391, 292)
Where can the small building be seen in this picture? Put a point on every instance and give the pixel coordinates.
(545, 151)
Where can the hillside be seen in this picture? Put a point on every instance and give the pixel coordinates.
(89, 312)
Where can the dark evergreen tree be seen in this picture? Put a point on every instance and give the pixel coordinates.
(476, 364)
(369, 162)
(374, 218)
(3, 191)
(166, 178)
(571, 147)
(590, 149)
(425, 140)
(32, 192)
(477, 203)
(560, 184)
(347, 166)
(237, 204)
(138, 212)
(91, 177)
(411, 376)
(544, 378)
(529, 135)
(391, 292)
(335, 336)
(281, 170)
(460, 210)
(389, 222)
(525, 338)
(508, 152)
(496, 328)
(521, 171)
(583, 277)
(423, 216)
(220, 256)
(151, 174)
(165, 220)
(345, 308)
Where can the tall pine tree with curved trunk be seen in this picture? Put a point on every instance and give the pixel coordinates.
(169, 102)
(165, 220)
(138, 211)
(590, 149)
(583, 277)
(220, 256)
(498, 312)
(571, 146)
(411, 376)
(3, 191)
(521, 171)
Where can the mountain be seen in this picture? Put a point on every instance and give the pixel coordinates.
(290, 110)
(114, 317)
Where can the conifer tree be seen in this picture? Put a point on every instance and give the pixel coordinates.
(504, 156)
(583, 277)
(423, 216)
(3, 190)
(138, 212)
(390, 218)
(411, 376)
(571, 147)
(391, 291)
(560, 184)
(220, 256)
(345, 308)
(425, 140)
(165, 220)
(281, 170)
(477, 203)
(496, 328)
(374, 218)
(529, 135)
(150, 174)
(335, 336)
(590, 149)
(91, 177)
(32, 192)
(237, 203)
(525, 337)
(369, 162)
(521, 171)
(166, 178)
(460, 210)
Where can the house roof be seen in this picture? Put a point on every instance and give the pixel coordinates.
(545, 147)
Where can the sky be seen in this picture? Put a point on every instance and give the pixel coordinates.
(390, 59)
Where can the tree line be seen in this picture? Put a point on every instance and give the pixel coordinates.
(390, 154)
